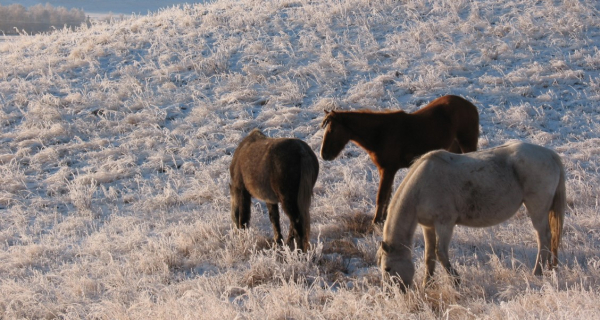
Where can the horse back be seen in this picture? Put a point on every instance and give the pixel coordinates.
(488, 186)
(445, 120)
(445, 105)
(452, 112)
(250, 168)
(270, 168)
(538, 168)
(475, 189)
(290, 160)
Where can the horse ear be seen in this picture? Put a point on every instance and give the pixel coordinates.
(386, 247)
(325, 119)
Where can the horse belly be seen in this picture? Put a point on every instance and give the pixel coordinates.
(267, 196)
(490, 205)
(490, 217)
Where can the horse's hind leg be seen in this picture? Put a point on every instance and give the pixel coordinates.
(430, 257)
(444, 234)
(240, 207)
(296, 232)
(544, 254)
(274, 217)
(538, 212)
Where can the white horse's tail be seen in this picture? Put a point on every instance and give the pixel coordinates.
(557, 214)
(308, 176)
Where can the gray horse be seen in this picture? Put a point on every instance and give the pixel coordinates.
(478, 189)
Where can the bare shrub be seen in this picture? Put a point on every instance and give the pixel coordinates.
(15, 18)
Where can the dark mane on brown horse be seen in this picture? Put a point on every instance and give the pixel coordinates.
(394, 138)
(342, 116)
(275, 171)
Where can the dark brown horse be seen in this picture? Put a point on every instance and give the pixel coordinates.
(274, 171)
(394, 139)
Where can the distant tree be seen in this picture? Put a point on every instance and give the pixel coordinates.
(15, 18)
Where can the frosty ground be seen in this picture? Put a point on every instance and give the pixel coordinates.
(116, 141)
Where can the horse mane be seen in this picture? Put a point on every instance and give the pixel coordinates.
(335, 115)
(377, 112)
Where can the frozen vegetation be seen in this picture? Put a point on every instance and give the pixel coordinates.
(117, 137)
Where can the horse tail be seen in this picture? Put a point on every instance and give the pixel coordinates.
(467, 126)
(557, 214)
(309, 170)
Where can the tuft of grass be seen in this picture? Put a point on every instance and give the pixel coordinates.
(358, 224)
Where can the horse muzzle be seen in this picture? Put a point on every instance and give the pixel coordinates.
(326, 157)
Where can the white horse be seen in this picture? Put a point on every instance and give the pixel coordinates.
(478, 189)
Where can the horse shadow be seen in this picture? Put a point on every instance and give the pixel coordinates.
(576, 265)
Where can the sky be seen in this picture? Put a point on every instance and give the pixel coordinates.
(105, 6)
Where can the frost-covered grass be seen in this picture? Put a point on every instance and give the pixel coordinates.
(116, 141)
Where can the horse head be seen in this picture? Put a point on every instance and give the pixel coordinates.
(396, 265)
(336, 136)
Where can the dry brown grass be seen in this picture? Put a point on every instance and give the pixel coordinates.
(358, 224)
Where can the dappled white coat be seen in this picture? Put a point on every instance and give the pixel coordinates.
(478, 189)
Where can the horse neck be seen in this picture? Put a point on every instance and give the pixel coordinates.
(364, 127)
(400, 226)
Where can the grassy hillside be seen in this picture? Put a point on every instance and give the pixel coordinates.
(116, 140)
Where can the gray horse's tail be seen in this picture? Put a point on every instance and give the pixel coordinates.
(557, 214)
(308, 176)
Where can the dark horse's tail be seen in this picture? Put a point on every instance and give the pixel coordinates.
(308, 176)
(557, 214)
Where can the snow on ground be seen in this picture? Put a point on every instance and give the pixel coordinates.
(116, 141)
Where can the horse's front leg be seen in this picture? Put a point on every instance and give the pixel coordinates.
(444, 234)
(430, 255)
(386, 180)
(274, 217)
